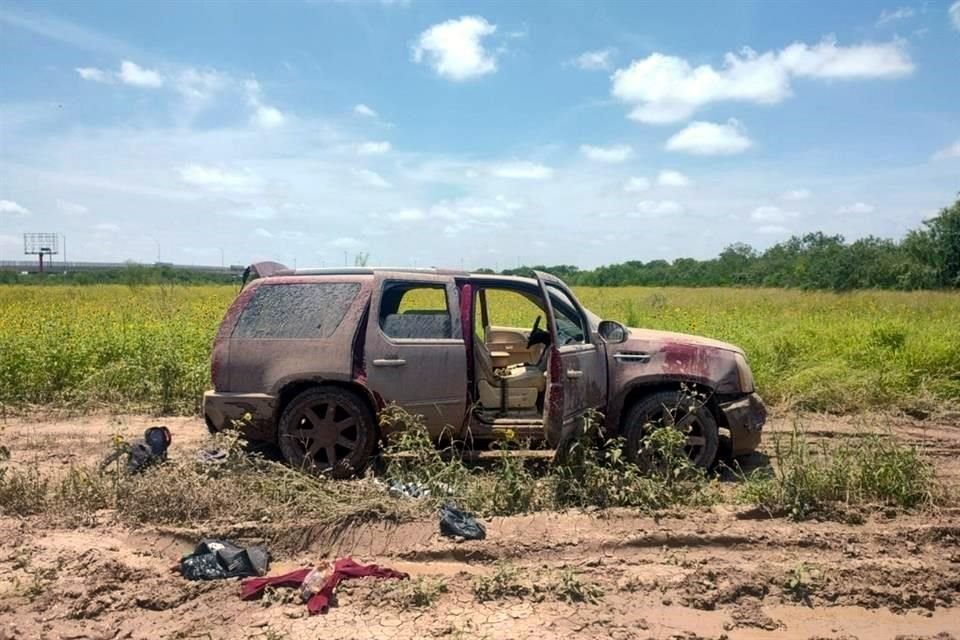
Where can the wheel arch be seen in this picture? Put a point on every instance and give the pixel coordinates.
(643, 388)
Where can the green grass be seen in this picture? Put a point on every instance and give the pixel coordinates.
(835, 479)
(147, 347)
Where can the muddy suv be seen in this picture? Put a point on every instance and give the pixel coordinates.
(305, 359)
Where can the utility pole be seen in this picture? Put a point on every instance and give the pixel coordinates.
(222, 262)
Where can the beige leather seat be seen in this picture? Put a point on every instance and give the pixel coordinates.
(523, 381)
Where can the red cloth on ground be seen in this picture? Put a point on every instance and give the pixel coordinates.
(346, 568)
(253, 588)
(343, 568)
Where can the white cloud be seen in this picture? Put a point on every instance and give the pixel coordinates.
(107, 227)
(268, 117)
(221, 180)
(522, 170)
(892, 15)
(11, 208)
(669, 178)
(264, 115)
(133, 74)
(663, 89)
(637, 184)
(954, 12)
(710, 139)
(455, 48)
(827, 60)
(951, 151)
(199, 87)
(773, 229)
(95, 75)
(599, 60)
(470, 214)
(130, 73)
(856, 207)
(372, 179)
(657, 208)
(407, 215)
(796, 194)
(611, 155)
(373, 148)
(260, 232)
(364, 110)
(769, 213)
(71, 208)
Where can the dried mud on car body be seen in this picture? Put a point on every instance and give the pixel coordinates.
(691, 574)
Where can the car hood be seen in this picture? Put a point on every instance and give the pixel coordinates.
(645, 337)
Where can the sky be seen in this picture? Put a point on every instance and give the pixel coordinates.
(466, 134)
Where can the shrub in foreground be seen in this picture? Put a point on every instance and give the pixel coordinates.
(832, 477)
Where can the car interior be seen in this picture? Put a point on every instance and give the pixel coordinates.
(510, 361)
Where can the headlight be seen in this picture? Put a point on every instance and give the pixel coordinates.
(746, 376)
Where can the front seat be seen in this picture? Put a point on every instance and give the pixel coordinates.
(523, 382)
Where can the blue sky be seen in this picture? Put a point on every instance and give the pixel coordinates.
(474, 134)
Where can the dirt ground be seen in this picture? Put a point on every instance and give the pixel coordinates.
(715, 573)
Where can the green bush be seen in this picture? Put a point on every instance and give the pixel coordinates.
(834, 477)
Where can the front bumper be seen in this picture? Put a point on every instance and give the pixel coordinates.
(254, 414)
(745, 419)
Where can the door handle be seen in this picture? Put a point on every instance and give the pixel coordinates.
(574, 373)
(389, 362)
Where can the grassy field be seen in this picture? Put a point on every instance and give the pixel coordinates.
(147, 347)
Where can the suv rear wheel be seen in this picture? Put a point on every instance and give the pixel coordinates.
(679, 410)
(327, 430)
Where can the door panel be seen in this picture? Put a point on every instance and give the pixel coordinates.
(577, 373)
(426, 374)
(584, 381)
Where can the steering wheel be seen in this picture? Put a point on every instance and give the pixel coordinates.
(538, 335)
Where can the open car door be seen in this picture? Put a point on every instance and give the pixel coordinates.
(577, 370)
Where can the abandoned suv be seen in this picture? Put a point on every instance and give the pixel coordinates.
(305, 359)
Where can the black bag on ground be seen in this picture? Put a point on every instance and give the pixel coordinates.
(150, 449)
(217, 559)
(457, 522)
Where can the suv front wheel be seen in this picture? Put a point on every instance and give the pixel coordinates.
(679, 410)
(327, 430)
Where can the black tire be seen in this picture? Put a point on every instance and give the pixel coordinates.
(671, 408)
(327, 430)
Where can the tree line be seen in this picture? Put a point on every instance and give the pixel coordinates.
(926, 258)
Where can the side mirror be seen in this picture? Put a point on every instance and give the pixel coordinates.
(612, 331)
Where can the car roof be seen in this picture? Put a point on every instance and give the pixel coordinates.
(352, 271)
(366, 271)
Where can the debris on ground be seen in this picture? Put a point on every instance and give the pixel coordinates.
(218, 559)
(455, 522)
(318, 594)
(142, 453)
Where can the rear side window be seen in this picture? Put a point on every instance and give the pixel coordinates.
(415, 312)
(296, 310)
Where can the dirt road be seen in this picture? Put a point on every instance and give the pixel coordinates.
(711, 574)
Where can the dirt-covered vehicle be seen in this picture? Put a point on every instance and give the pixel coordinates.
(307, 358)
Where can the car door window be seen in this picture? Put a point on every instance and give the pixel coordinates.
(415, 312)
(570, 328)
